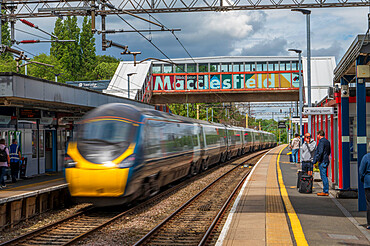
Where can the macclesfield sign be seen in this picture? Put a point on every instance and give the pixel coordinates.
(224, 81)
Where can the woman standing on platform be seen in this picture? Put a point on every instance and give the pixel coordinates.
(4, 162)
(365, 178)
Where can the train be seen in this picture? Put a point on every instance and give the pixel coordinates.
(121, 153)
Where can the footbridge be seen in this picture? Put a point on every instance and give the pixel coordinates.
(218, 79)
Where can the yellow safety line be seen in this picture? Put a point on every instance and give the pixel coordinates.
(294, 221)
(34, 184)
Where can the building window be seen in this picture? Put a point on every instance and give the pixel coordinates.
(276, 65)
(295, 65)
(287, 66)
(157, 69)
(238, 67)
(271, 67)
(226, 68)
(215, 67)
(41, 143)
(261, 66)
(203, 68)
(167, 69)
(283, 66)
(180, 68)
(191, 68)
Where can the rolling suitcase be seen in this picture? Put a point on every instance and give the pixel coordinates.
(300, 173)
(306, 184)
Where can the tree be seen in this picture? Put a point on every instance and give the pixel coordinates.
(57, 49)
(87, 44)
(69, 54)
(45, 72)
(104, 70)
(5, 38)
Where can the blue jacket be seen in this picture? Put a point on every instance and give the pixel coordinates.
(322, 152)
(364, 170)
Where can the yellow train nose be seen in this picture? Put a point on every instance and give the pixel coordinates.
(96, 183)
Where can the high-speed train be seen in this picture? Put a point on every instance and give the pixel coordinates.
(122, 152)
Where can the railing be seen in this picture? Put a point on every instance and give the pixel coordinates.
(146, 92)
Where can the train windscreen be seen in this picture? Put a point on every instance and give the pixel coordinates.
(107, 131)
(103, 140)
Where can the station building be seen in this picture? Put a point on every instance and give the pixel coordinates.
(42, 114)
(349, 127)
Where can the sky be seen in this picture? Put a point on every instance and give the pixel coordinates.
(235, 33)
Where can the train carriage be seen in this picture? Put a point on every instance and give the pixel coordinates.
(122, 152)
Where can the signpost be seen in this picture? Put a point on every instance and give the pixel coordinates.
(318, 110)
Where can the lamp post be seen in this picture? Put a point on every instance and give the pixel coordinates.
(299, 52)
(307, 13)
(128, 84)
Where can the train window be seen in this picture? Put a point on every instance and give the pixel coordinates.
(107, 132)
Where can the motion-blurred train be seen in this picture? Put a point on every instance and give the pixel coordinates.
(121, 152)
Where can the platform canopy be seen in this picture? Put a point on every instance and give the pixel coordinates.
(17, 90)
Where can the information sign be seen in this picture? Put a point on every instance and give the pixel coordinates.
(296, 120)
(29, 113)
(281, 124)
(318, 110)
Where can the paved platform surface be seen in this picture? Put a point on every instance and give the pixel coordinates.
(34, 184)
(271, 211)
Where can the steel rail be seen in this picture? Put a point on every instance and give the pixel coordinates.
(37, 231)
(222, 211)
(160, 225)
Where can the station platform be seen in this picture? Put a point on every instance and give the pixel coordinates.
(26, 198)
(24, 187)
(269, 210)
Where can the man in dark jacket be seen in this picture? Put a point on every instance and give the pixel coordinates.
(364, 172)
(322, 153)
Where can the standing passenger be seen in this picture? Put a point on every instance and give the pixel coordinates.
(364, 172)
(307, 153)
(15, 156)
(294, 145)
(322, 157)
(4, 162)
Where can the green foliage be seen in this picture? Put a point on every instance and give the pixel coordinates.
(107, 59)
(5, 39)
(104, 70)
(87, 44)
(45, 72)
(7, 64)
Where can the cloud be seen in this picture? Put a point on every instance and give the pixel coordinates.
(270, 47)
(335, 49)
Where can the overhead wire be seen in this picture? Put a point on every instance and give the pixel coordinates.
(24, 50)
(173, 33)
(20, 30)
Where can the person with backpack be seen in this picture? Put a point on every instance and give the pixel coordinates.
(307, 152)
(4, 162)
(322, 153)
(15, 156)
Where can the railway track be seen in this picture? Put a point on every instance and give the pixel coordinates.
(73, 228)
(194, 223)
